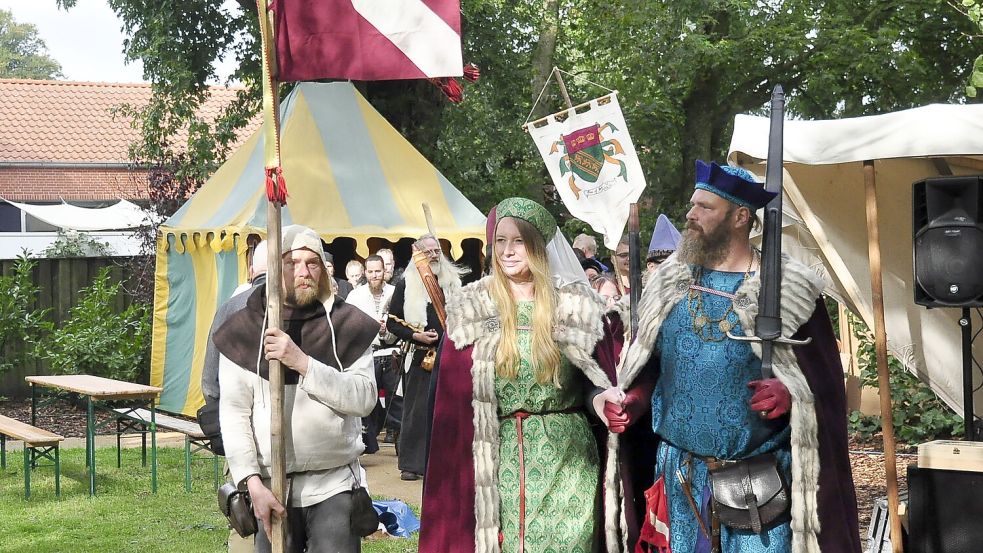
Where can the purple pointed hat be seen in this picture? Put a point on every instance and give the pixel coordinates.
(665, 238)
(734, 184)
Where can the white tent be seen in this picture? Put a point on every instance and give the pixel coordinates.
(121, 215)
(824, 187)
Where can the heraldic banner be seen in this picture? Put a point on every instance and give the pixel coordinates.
(593, 164)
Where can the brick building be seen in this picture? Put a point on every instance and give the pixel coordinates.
(62, 141)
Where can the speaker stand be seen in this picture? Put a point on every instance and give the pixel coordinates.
(969, 416)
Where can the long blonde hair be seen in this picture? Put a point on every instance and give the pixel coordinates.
(546, 356)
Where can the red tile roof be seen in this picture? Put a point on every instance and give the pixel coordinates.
(72, 122)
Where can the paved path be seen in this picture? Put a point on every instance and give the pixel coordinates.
(384, 477)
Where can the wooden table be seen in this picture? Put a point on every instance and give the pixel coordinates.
(97, 392)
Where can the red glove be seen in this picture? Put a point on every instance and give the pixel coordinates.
(771, 399)
(617, 417)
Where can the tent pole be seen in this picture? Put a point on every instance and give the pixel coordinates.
(880, 345)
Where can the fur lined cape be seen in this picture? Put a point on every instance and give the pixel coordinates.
(801, 288)
(461, 489)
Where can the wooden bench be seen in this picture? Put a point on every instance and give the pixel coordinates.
(38, 444)
(138, 420)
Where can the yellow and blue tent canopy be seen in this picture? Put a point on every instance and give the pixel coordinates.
(349, 173)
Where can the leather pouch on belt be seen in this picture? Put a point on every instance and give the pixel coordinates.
(429, 359)
(750, 494)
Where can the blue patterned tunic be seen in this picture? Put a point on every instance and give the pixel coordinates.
(701, 406)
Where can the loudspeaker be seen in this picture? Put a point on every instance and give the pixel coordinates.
(947, 236)
(945, 508)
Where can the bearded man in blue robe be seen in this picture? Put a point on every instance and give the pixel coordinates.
(702, 396)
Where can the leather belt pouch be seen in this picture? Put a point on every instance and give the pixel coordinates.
(749, 494)
(238, 508)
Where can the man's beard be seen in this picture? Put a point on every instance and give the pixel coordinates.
(302, 297)
(699, 247)
(376, 286)
(435, 267)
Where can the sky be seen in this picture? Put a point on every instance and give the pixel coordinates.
(87, 40)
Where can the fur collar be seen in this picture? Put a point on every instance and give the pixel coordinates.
(472, 320)
(801, 287)
(416, 298)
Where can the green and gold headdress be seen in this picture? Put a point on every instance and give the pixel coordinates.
(529, 211)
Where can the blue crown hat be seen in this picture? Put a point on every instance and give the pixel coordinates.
(665, 237)
(734, 184)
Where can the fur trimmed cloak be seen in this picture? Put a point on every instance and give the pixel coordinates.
(460, 496)
(824, 512)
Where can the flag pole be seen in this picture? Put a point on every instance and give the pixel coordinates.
(276, 194)
(563, 87)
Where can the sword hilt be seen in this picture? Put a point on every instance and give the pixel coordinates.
(779, 340)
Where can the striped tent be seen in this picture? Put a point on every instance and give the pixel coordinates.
(349, 173)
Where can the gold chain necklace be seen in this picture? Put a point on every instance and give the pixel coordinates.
(703, 323)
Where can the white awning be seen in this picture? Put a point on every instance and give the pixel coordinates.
(826, 225)
(121, 215)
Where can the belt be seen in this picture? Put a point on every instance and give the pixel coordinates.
(712, 463)
(519, 416)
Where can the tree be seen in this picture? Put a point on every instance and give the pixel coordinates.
(683, 70)
(23, 55)
(179, 42)
(973, 10)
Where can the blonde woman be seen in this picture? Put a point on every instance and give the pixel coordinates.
(514, 463)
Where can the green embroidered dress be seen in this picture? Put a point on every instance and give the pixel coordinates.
(559, 454)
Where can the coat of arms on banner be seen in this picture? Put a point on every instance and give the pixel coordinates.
(593, 164)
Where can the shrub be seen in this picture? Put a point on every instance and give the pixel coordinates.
(99, 341)
(22, 326)
(919, 415)
(77, 244)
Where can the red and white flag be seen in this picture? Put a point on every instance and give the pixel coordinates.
(367, 40)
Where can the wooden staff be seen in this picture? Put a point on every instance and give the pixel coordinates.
(634, 269)
(430, 283)
(422, 264)
(429, 218)
(276, 194)
(880, 345)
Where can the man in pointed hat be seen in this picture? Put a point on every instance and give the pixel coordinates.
(703, 395)
(665, 240)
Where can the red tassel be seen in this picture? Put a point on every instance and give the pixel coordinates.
(471, 72)
(450, 87)
(276, 189)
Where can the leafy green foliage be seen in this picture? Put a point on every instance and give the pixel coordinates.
(919, 415)
(23, 55)
(179, 42)
(862, 425)
(77, 244)
(683, 70)
(97, 339)
(22, 326)
(973, 10)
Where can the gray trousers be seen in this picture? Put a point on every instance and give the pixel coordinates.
(324, 527)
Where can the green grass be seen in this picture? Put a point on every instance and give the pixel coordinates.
(124, 516)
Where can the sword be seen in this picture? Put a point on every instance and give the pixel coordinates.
(768, 322)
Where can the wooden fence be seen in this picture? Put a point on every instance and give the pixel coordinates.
(59, 282)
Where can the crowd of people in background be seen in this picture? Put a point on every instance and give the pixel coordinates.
(558, 426)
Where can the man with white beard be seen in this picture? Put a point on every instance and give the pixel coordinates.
(413, 318)
(373, 299)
